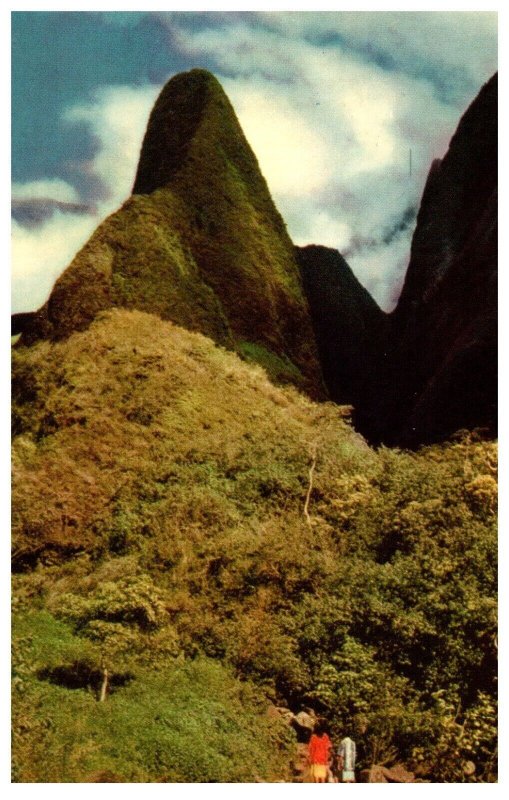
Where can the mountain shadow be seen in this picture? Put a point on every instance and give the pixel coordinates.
(351, 332)
(444, 328)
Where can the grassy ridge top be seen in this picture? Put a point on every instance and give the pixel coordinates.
(133, 393)
(159, 515)
(200, 242)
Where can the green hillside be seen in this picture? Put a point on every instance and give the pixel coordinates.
(219, 544)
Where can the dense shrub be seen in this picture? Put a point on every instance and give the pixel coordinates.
(184, 536)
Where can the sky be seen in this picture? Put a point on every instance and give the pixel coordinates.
(345, 112)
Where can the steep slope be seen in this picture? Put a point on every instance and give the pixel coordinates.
(351, 331)
(133, 393)
(199, 242)
(444, 329)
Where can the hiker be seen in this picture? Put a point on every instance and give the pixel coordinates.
(319, 753)
(346, 760)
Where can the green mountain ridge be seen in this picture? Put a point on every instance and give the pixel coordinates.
(200, 241)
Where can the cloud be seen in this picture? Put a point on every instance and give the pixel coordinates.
(378, 262)
(455, 51)
(291, 154)
(40, 254)
(49, 189)
(117, 118)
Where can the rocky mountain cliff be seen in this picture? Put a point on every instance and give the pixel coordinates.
(199, 242)
(351, 330)
(444, 328)
(429, 368)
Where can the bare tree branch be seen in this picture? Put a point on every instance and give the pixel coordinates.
(310, 486)
(104, 687)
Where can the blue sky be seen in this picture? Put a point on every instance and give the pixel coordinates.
(332, 104)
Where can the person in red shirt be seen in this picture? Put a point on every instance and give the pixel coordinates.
(319, 753)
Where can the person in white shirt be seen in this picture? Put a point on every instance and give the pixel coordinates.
(346, 760)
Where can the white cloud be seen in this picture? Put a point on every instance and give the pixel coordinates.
(454, 47)
(49, 189)
(324, 229)
(39, 255)
(117, 118)
(244, 50)
(378, 263)
(291, 154)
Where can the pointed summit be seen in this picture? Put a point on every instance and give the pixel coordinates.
(193, 120)
(173, 124)
(199, 242)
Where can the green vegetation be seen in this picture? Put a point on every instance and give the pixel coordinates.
(159, 532)
(185, 721)
(200, 241)
(279, 369)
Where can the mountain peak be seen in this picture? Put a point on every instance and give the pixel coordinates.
(199, 243)
(195, 144)
(173, 124)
